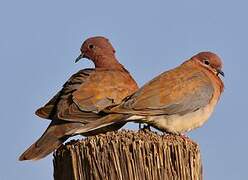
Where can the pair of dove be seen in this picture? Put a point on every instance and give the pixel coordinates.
(104, 99)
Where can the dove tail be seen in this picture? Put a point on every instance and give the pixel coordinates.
(40, 149)
(111, 122)
(53, 137)
(59, 131)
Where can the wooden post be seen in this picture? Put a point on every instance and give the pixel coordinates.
(129, 155)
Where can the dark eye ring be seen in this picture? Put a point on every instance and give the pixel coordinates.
(91, 46)
(206, 62)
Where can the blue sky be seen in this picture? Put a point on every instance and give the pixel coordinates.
(39, 41)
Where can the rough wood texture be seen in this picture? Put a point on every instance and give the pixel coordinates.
(128, 155)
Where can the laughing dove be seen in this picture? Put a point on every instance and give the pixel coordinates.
(82, 98)
(176, 101)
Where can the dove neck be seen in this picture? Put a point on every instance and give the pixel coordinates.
(107, 62)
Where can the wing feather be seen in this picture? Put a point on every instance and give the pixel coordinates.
(178, 91)
(88, 92)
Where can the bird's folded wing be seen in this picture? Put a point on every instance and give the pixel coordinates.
(86, 93)
(62, 106)
(102, 89)
(178, 91)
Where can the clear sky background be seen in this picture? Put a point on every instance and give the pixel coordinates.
(39, 41)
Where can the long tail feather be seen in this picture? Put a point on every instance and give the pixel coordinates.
(53, 137)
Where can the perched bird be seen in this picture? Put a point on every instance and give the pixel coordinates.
(83, 97)
(176, 101)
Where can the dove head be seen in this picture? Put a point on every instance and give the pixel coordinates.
(100, 51)
(210, 61)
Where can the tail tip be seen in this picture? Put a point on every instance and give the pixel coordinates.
(23, 158)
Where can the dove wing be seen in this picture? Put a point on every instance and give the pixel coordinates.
(86, 93)
(178, 91)
(62, 106)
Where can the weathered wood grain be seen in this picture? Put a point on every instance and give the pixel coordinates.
(129, 155)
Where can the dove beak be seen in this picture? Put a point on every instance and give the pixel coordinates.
(219, 71)
(79, 57)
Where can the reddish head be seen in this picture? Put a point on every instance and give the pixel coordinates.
(100, 51)
(210, 61)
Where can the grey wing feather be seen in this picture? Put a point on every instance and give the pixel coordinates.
(192, 102)
(158, 97)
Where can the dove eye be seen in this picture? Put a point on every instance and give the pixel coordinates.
(206, 62)
(91, 46)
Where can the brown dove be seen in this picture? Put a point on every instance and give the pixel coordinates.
(176, 101)
(82, 98)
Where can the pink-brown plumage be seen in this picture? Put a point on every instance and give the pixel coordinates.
(83, 97)
(176, 101)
